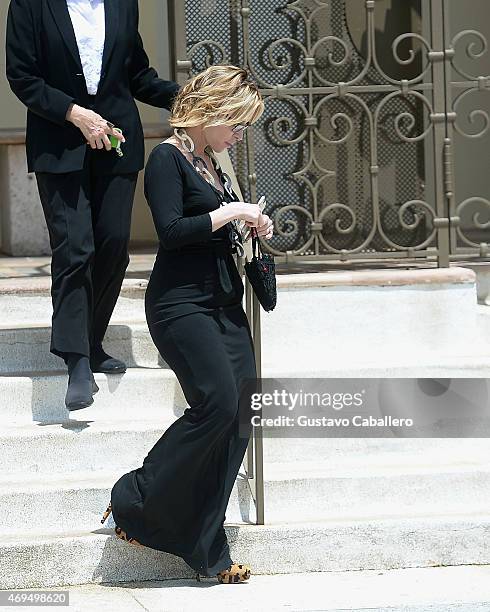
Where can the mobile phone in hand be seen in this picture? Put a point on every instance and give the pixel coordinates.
(262, 203)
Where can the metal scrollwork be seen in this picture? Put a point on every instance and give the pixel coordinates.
(470, 52)
(399, 60)
(208, 46)
(284, 120)
(410, 119)
(473, 116)
(352, 126)
(293, 227)
(475, 218)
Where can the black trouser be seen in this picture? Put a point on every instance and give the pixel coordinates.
(89, 220)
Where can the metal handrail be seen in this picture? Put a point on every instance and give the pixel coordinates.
(254, 458)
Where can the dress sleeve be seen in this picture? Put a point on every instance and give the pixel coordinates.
(163, 190)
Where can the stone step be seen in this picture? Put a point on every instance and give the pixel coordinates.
(483, 312)
(295, 491)
(26, 349)
(400, 366)
(27, 450)
(431, 326)
(27, 310)
(341, 452)
(25, 333)
(97, 440)
(80, 557)
(149, 393)
(482, 271)
(355, 322)
(462, 588)
(41, 285)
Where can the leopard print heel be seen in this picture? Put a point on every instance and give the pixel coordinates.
(106, 513)
(122, 535)
(237, 572)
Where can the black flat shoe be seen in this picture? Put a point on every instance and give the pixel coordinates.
(100, 361)
(81, 383)
(95, 386)
(79, 394)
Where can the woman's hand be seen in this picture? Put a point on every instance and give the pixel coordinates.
(93, 127)
(245, 211)
(265, 227)
(254, 217)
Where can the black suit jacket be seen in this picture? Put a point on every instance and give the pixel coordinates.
(45, 72)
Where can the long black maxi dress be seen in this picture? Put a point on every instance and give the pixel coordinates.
(176, 501)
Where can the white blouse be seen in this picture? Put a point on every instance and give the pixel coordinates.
(88, 19)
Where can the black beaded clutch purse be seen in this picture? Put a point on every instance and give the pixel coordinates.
(261, 272)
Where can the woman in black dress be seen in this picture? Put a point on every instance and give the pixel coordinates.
(176, 501)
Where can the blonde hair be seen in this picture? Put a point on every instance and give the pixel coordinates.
(221, 94)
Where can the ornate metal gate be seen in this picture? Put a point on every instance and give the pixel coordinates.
(365, 102)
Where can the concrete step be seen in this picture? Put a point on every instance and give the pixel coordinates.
(97, 440)
(77, 501)
(399, 366)
(25, 333)
(427, 589)
(23, 309)
(27, 450)
(27, 397)
(377, 451)
(40, 286)
(425, 322)
(483, 313)
(26, 349)
(482, 271)
(431, 326)
(79, 557)
(150, 393)
(298, 491)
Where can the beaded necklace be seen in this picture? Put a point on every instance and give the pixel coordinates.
(201, 167)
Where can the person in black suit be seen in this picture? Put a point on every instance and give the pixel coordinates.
(78, 65)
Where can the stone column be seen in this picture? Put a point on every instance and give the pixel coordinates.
(23, 228)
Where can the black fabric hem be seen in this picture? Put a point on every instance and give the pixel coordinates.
(207, 572)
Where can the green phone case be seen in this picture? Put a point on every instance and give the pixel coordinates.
(115, 143)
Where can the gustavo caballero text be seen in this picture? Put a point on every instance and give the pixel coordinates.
(324, 421)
